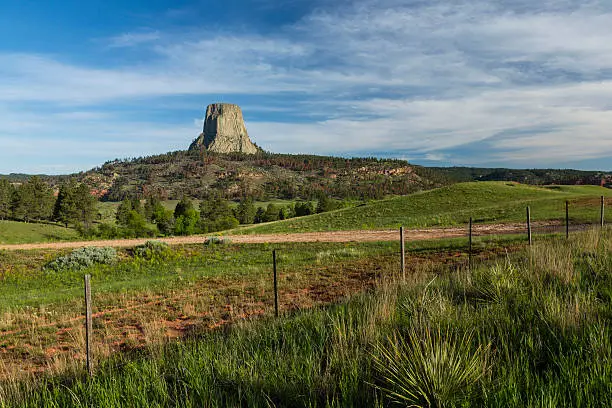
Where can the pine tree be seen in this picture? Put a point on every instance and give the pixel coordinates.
(75, 205)
(33, 200)
(65, 210)
(186, 217)
(245, 213)
(123, 212)
(6, 197)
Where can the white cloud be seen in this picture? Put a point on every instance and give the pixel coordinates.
(384, 74)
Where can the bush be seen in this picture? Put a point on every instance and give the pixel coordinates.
(432, 368)
(221, 224)
(216, 241)
(153, 249)
(83, 258)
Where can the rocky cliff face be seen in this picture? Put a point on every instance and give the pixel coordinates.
(224, 131)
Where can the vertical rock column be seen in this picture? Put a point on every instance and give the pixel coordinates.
(224, 131)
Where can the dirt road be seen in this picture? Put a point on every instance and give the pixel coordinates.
(330, 236)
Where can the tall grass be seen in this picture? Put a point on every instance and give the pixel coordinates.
(531, 329)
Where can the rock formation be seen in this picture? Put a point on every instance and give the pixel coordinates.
(224, 131)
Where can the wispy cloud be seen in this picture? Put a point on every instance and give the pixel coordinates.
(421, 77)
(133, 39)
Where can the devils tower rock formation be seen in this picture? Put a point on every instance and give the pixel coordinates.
(224, 131)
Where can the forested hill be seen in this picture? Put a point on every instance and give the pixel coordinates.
(267, 175)
(260, 176)
(527, 176)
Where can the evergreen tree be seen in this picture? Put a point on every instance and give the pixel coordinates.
(65, 209)
(304, 208)
(156, 213)
(150, 206)
(123, 212)
(216, 214)
(33, 200)
(214, 208)
(86, 205)
(186, 218)
(137, 206)
(260, 215)
(75, 205)
(6, 197)
(272, 213)
(245, 213)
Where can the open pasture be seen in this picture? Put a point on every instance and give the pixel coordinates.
(486, 202)
(522, 327)
(12, 232)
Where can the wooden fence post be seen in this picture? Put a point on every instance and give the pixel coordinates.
(529, 225)
(275, 284)
(88, 324)
(403, 254)
(470, 244)
(566, 219)
(601, 218)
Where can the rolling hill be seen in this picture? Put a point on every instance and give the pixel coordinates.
(486, 202)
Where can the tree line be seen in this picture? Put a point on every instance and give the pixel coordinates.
(135, 219)
(35, 201)
(75, 206)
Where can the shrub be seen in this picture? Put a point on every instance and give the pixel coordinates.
(431, 368)
(216, 241)
(83, 258)
(153, 249)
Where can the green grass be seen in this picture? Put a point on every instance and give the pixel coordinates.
(531, 329)
(12, 232)
(486, 202)
(25, 283)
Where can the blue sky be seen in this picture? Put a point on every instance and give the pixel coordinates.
(516, 83)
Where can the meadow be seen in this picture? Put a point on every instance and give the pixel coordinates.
(485, 202)
(13, 232)
(524, 327)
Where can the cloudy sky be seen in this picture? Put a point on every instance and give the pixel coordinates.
(516, 83)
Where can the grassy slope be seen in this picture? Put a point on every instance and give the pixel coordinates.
(453, 205)
(12, 232)
(552, 349)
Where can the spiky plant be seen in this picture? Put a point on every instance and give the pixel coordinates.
(430, 368)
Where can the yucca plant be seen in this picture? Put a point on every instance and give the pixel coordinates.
(430, 368)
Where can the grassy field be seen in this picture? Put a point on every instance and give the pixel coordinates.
(140, 301)
(12, 232)
(486, 202)
(531, 328)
